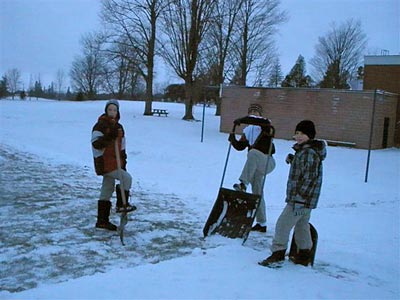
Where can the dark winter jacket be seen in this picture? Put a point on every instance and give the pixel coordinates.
(104, 134)
(305, 175)
(264, 140)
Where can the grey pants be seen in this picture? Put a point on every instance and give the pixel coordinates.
(254, 172)
(107, 187)
(298, 218)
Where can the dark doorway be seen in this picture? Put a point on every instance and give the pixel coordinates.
(385, 133)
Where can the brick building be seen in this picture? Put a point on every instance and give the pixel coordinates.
(339, 115)
(383, 73)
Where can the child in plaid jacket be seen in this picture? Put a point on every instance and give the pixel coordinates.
(302, 194)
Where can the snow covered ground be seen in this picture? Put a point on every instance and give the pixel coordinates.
(48, 192)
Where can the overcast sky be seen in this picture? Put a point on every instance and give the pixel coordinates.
(39, 37)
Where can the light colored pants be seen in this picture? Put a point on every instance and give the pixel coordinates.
(254, 172)
(107, 187)
(298, 218)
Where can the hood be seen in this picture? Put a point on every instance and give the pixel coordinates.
(318, 146)
(116, 103)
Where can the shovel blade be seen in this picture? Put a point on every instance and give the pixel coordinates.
(123, 221)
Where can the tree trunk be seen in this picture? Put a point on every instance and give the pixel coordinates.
(218, 102)
(189, 100)
(150, 62)
(149, 94)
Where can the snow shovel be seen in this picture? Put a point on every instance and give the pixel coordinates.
(234, 211)
(124, 215)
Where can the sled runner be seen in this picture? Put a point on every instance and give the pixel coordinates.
(234, 211)
(294, 249)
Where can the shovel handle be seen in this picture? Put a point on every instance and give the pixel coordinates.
(117, 155)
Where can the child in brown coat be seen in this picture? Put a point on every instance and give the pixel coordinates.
(105, 132)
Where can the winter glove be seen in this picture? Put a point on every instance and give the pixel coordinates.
(232, 138)
(103, 141)
(289, 158)
(113, 133)
(239, 145)
(237, 122)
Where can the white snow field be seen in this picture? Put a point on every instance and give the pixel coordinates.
(49, 248)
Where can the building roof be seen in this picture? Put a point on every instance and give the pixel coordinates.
(382, 60)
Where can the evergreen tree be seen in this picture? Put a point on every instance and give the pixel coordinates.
(51, 91)
(297, 76)
(80, 96)
(275, 74)
(37, 90)
(175, 92)
(237, 79)
(68, 95)
(334, 79)
(3, 87)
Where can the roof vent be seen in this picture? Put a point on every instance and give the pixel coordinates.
(384, 52)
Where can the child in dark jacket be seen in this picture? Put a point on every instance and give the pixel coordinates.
(302, 194)
(105, 133)
(260, 162)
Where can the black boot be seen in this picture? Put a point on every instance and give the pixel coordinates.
(276, 257)
(302, 258)
(120, 206)
(103, 215)
(259, 228)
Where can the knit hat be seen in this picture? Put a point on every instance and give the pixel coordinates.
(109, 102)
(255, 107)
(307, 127)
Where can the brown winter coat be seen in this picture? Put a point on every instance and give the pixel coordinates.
(104, 133)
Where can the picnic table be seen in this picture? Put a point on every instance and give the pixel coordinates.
(159, 112)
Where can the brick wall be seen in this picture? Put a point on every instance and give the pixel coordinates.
(338, 115)
(387, 78)
(382, 77)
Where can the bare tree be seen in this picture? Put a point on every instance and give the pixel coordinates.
(120, 70)
(219, 42)
(339, 53)
(87, 70)
(133, 23)
(262, 69)
(60, 80)
(254, 45)
(185, 25)
(13, 77)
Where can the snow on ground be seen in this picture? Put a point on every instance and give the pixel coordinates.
(48, 192)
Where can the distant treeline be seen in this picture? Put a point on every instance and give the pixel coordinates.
(172, 93)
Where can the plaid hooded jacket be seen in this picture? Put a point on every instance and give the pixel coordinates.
(305, 175)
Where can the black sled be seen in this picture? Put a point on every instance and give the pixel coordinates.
(234, 211)
(294, 249)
